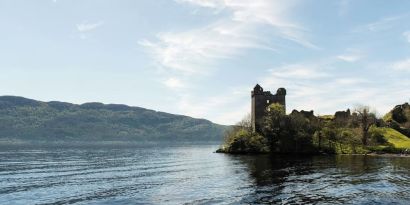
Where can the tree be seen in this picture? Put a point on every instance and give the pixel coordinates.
(241, 139)
(329, 133)
(289, 133)
(302, 127)
(345, 137)
(274, 125)
(366, 119)
(246, 123)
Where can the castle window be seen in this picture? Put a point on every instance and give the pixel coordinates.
(267, 101)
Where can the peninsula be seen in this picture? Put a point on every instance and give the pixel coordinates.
(268, 129)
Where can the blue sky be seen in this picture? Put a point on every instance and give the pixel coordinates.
(202, 57)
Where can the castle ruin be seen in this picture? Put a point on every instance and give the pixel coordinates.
(260, 101)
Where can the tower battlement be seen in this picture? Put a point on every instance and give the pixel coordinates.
(261, 100)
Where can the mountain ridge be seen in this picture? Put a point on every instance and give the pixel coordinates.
(31, 120)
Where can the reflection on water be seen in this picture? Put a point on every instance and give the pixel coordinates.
(196, 175)
(328, 179)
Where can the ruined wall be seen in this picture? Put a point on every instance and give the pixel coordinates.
(261, 100)
(342, 118)
(305, 114)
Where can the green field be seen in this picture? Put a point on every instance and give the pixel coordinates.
(397, 139)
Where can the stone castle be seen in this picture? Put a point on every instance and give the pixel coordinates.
(260, 101)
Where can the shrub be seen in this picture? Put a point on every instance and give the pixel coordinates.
(377, 136)
(243, 141)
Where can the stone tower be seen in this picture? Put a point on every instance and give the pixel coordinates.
(261, 100)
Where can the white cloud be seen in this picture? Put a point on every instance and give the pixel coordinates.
(403, 65)
(265, 12)
(174, 83)
(204, 3)
(350, 81)
(298, 71)
(407, 36)
(349, 57)
(382, 24)
(87, 27)
(196, 50)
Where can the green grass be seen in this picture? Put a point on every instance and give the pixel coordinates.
(388, 117)
(327, 117)
(348, 149)
(396, 138)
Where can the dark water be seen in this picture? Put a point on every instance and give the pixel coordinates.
(196, 175)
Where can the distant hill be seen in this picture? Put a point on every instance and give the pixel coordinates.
(26, 120)
(399, 118)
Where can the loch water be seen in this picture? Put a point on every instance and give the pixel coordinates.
(194, 174)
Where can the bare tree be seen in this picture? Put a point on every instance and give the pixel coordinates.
(366, 119)
(245, 123)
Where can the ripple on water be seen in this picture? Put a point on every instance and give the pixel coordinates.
(196, 175)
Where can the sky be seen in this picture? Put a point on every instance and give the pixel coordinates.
(202, 58)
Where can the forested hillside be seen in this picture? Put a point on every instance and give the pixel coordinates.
(26, 120)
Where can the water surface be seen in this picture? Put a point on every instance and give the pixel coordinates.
(193, 174)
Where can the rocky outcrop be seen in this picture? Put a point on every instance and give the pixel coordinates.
(399, 118)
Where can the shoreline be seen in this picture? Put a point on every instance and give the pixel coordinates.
(373, 154)
(387, 155)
